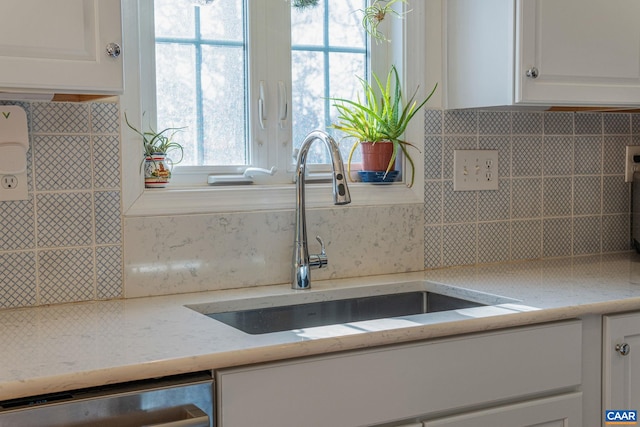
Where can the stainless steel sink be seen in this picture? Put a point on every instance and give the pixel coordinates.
(338, 311)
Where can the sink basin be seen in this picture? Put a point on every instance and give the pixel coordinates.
(338, 311)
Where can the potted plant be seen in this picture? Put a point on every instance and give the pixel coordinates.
(378, 123)
(156, 146)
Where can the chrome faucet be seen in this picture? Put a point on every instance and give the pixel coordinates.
(303, 262)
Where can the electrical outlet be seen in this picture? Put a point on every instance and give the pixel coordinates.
(475, 170)
(630, 165)
(9, 182)
(13, 187)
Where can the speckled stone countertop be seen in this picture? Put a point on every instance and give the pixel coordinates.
(64, 347)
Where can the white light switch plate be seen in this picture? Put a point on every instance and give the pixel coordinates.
(475, 170)
(630, 165)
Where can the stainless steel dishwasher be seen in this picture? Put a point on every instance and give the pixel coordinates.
(180, 401)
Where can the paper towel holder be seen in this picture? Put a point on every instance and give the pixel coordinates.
(14, 140)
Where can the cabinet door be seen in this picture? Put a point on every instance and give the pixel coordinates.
(584, 51)
(60, 46)
(557, 411)
(621, 372)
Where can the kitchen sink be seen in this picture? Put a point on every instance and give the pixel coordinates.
(339, 311)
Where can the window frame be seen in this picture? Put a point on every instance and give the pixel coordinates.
(139, 96)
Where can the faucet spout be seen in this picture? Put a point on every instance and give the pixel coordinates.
(303, 262)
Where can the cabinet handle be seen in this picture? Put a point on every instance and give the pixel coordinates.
(533, 73)
(623, 349)
(113, 50)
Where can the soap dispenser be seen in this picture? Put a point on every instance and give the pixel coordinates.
(14, 144)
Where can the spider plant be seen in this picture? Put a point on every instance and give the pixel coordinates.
(375, 13)
(303, 4)
(158, 142)
(383, 116)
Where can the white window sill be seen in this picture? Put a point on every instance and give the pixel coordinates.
(205, 199)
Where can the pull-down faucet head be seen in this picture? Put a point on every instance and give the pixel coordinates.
(302, 261)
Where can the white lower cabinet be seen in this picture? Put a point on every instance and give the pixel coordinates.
(621, 361)
(413, 381)
(557, 411)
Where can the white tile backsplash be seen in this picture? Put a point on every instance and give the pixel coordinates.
(562, 189)
(561, 193)
(64, 244)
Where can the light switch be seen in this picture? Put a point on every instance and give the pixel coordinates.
(475, 170)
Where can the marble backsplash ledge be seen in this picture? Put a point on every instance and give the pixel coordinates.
(168, 255)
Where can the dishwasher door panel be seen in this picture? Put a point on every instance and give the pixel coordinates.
(167, 404)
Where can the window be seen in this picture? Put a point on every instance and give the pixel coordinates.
(407, 34)
(249, 92)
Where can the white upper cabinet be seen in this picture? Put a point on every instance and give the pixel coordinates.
(61, 46)
(542, 52)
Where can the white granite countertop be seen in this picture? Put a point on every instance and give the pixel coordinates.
(64, 347)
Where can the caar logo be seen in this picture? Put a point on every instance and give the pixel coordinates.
(620, 417)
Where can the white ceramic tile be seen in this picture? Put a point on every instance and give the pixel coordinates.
(526, 239)
(459, 242)
(587, 232)
(558, 123)
(18, 225)
(17, 279)
(526, 195)
(616, 194)
(635, 124)
(495, 205)
(526, 156)
(432, 246)
(617, 123)
(613, 152)
(106, 161)
(527, 123)
(107, 215)
(433, 152)
(615, 232)
(557, 196)
(66, 275)
(105, 118)
(54, 171)
(433, 202)
(493, 242)
(64, 219)
(432, 122)
(460, 122)
(557, 237)
(587, 195)
(588, 123)
(60, 117)
(558, 155)
(458, 206)
(587, 153)
(109, 272)
(494, 122)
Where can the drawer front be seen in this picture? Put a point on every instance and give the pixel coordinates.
(558, 411)
(394, 383)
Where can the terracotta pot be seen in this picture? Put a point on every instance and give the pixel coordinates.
(376, 157)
